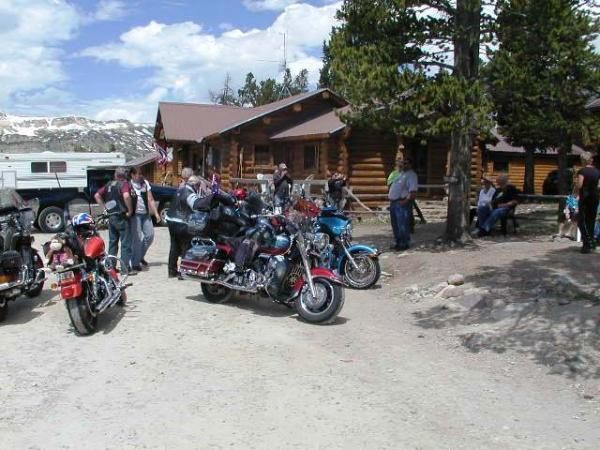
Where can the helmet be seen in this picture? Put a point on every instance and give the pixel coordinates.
(82, 220)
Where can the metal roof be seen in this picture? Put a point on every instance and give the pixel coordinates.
(503, 146)
(594, 105)
(195, 122)
(325, 124)
(142, 160)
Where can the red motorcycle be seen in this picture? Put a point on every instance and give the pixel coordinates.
(282, 267)
(89, 280)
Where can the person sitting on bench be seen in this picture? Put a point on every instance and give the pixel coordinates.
(504, 200)
(484, 202)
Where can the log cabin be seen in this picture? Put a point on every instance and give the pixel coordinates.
(306, 132)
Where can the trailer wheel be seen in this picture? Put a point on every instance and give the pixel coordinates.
(51, 220)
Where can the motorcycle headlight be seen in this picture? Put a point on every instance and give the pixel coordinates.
(349, 230)
(320, 241)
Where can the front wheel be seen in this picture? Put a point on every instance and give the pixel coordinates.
(215, 293)
(81, 314)
(323, 308)
(365, 275)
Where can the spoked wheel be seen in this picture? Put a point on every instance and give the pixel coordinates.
(365, 275)
(82, 314)
(215, 293)
(325, 306)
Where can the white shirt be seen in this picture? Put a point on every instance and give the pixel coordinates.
(485, 198)
(406, 183)
(141, 208)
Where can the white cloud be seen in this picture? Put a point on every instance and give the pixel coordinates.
(31, 32)
(268, 5)
(187, 61)
(110, 10)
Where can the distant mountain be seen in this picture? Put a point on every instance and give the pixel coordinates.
(65, 134)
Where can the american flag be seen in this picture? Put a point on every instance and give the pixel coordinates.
(164, 155)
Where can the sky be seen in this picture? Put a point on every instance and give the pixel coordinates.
(116, 59)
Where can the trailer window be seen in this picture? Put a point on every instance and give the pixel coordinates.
(58, 166)
(39, 167)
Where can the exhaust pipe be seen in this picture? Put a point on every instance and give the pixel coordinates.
(235, 287)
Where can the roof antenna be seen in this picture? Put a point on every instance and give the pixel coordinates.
(285, 88)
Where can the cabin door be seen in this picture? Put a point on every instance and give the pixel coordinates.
(9, 179)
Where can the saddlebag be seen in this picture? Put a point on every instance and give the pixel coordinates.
(202, 260)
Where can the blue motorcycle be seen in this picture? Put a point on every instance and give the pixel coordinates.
(358, 264)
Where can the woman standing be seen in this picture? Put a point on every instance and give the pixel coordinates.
(142, 229)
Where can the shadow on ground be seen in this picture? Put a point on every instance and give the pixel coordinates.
(24, 309)
(547, 308)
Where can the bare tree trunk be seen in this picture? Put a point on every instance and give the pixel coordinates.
(529, 183)
(466, 67)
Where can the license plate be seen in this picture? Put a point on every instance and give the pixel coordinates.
(66, 276)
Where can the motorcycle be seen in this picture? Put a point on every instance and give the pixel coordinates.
(358, 264)
(281, 267)
(89, 280)
(21, 268)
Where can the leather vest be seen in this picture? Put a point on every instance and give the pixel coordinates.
(114, 198)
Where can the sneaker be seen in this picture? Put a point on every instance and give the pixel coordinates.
(144, 262)
(136, 268)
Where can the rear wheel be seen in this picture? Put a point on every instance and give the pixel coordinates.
(215, 293)
(81, 314)
(323, 308)
(365, 275)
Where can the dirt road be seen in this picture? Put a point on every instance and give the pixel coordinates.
(172, 371)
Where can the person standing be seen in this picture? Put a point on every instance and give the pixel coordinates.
(186, 173)
(402, 193)
(282, 183)
(335, 187)
(215, 180)
(186, 200)
(142, 228)
(116, 199)
(587, 183)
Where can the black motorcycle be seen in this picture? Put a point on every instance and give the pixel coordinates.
(21, 268)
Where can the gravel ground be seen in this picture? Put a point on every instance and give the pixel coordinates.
(172, 371)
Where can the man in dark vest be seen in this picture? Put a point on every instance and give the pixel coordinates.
(116, 199)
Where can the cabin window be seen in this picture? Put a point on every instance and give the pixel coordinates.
(501, 165)
(39, 167)
(58, 166)
(311, 157)
(262, 155)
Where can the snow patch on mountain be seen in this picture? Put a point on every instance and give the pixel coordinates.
(20, 134)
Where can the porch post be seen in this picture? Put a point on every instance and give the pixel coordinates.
(233, 159)
(324, 158)
(344, 157)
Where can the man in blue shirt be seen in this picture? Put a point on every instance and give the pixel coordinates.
(403, 191)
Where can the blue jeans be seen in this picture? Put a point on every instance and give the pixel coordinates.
(119, 230)
(494, 217)
(142, 236)
(483, 212)
(400, 216)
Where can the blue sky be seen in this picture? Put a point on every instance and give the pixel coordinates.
(113, 59)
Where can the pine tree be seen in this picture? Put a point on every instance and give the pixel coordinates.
(542, 76)
(412, 67)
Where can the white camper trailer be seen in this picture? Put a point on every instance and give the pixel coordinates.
(41, 170)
